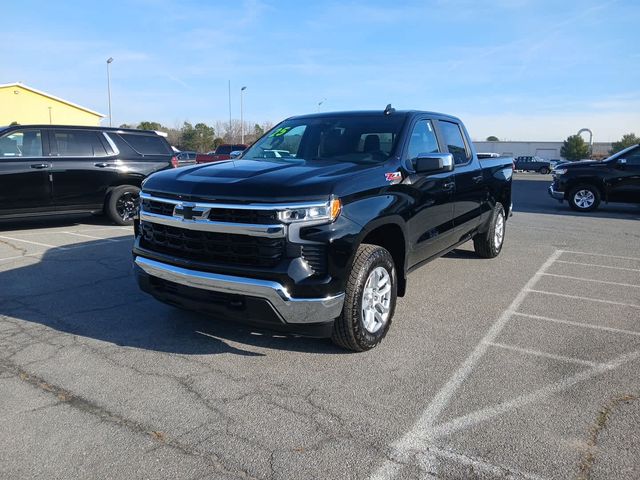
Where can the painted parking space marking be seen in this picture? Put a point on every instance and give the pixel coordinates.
(418, 444)
(577, 324)
(421, 434)
(90, 236)
(599, 266)
(65, 248)
(601, 255)
(582, 279)
(32, 242)
(586, 299)
(538, 353)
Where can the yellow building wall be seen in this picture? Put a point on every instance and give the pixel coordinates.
(27, 107)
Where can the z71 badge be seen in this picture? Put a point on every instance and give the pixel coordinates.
(393, 177)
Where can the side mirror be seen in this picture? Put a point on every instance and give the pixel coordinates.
(236, 153)
(433, 162)
(622, 161)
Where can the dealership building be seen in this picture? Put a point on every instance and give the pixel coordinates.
(546, 150)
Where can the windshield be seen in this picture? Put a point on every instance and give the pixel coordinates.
(358, 139)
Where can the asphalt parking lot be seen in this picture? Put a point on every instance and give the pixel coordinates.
(525, 366)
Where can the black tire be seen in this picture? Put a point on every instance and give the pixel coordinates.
(122, 204)
(349, 329)
(544, 170)
(590, 196)
(486, 244)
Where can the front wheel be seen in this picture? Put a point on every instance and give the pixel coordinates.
(370, 300)
(489, 243)
(544, 170)
(122, 204)
(584, 198)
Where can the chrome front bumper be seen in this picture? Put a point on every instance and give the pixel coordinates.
(555, 194)
(291, 310)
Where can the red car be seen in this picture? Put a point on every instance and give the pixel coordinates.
(223, 152)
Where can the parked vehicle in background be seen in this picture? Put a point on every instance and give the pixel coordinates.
(488, 155)
(52, 169)
(186, 158)
(222, 152)
(320, 242)
(533, 164)
(585, 184)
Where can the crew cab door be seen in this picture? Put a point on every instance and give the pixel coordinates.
(82, 170)
(430, 222)
(470, 186)
(624, 183)
(24, 172)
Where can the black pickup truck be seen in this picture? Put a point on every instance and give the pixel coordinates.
(585, 184)
(320, 242)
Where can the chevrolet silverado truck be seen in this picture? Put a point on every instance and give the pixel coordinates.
(320, 242)
(585, 184)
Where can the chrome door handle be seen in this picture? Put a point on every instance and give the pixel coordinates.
(477, 179)
(40, 166)
(101, 165)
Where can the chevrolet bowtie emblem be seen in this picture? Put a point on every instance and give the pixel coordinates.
(190, 211)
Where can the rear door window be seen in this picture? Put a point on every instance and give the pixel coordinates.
(21, 143)
(455, 142)
(147, 144)
(78, 143)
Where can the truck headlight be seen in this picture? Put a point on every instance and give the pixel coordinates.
(323, 211)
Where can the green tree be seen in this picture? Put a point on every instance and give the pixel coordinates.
(492, 138)
(200, 137)
(626, 141)
(13, 123)
(150, 126)
(574, 148)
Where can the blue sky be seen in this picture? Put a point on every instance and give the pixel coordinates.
(519, 69)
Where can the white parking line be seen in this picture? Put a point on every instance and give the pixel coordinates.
(90, 236)
(577, 324)
(497, 471)
(419, 436)
(466, 421)
(582, 279)
(70, 247)
(33, 243)
(586, 299)
(602, 255)
(538, 353)
(599, 266)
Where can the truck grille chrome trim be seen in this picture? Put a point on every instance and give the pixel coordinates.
(291, 310)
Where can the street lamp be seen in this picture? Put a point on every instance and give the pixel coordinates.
(242, 114)
(109, 60)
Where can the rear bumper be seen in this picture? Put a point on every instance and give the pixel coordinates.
(267, 301)
(555, 194)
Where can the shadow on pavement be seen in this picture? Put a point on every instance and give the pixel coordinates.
(55, 221)
(89, 290)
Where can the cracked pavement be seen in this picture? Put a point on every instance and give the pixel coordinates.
(98, 380)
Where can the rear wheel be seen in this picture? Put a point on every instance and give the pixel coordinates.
(122, 204)
(489, 243)
(544, 170)
(584, 198)
(370, 300)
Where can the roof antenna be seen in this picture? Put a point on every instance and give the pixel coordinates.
(389, 110)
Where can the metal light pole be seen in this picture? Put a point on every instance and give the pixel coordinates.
(109, 60)
(230, 139)
(242, 114)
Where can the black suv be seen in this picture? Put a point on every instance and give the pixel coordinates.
(533, 164)
(48, 169)
(585, 184)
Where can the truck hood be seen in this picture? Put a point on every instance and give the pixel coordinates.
(581, 164)
(265, 180)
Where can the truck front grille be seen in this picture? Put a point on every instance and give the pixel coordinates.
(240, 215)
(159, 208)
(210, 247)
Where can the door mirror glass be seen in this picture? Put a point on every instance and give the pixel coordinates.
(433, 162)
(235, 153)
